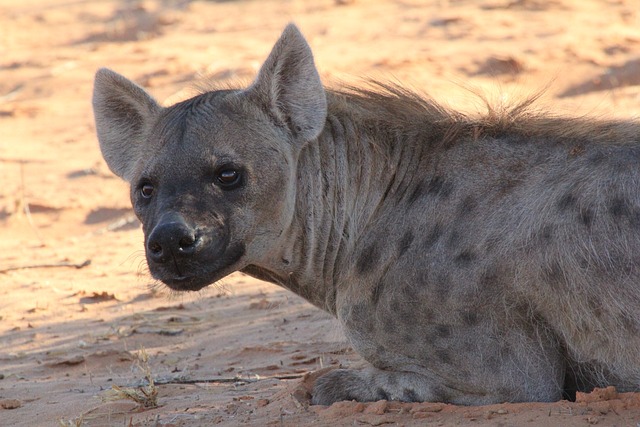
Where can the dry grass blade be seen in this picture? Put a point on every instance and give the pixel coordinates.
(76, 422)
(146, 396)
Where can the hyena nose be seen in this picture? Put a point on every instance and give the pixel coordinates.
(172, 240)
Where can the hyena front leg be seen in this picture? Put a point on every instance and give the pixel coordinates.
(445, 358)
(373, 384)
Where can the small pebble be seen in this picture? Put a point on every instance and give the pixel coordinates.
(10, 403)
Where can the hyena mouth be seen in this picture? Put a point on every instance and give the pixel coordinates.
(185, 283)
(197, 274)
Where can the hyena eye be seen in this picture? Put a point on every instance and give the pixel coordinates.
(146, 190)
(228, 178)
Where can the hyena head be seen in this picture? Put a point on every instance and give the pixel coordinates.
(213, 178)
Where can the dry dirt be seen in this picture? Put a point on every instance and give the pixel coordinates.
(76, 305)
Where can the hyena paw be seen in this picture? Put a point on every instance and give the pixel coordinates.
(370, 385)
(337, 385)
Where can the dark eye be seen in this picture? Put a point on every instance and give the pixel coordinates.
(146, 190)
(228, 178)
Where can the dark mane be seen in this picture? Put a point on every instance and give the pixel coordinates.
(391, 106)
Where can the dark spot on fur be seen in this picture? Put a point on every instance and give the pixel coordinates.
(392, 380)
(469, 347)
(543, 236)
(597, 158)
(438, 186)
(440, 394)
(491, 243)
(358, 316)
(467, 206)
(408, 339)
(546, 233)
(620, 208)
(566, 202)
(494, 363)
(377, 291)
(381, 394)
(441, 285)
(469, 318)
(555, 275)
(506, 393)
(433, 236)
(368, 258)
(444, 356)
(464, 258)
(427, 315)
(443, 331)
(407, 317)
(596, 307)
(586, 217)
(584, 262)
(454, 239)
(415, 194)
(506, 186)
(628, 322)
(410, 291)
(390, 326)
(490, 283)
(405, 243)
(396, 304)
(408, 395)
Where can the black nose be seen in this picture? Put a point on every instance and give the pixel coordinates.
(172, 240)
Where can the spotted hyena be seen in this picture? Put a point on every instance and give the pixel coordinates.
(470, 260)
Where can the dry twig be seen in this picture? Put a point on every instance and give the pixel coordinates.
(47, 265)
(225, 379)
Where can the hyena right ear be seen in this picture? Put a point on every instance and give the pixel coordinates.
(124, 113)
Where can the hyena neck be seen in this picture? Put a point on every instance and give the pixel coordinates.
(346, 179)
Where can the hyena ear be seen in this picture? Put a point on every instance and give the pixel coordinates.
(289, 86)
(124, 112)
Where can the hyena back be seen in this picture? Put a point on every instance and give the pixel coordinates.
(469, 260)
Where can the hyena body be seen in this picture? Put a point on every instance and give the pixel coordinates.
(469, 260)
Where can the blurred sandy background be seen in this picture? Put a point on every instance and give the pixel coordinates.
(75, 305)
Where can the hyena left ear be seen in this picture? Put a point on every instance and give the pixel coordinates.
(289, 86)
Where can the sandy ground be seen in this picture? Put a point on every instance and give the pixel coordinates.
(76, 306)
